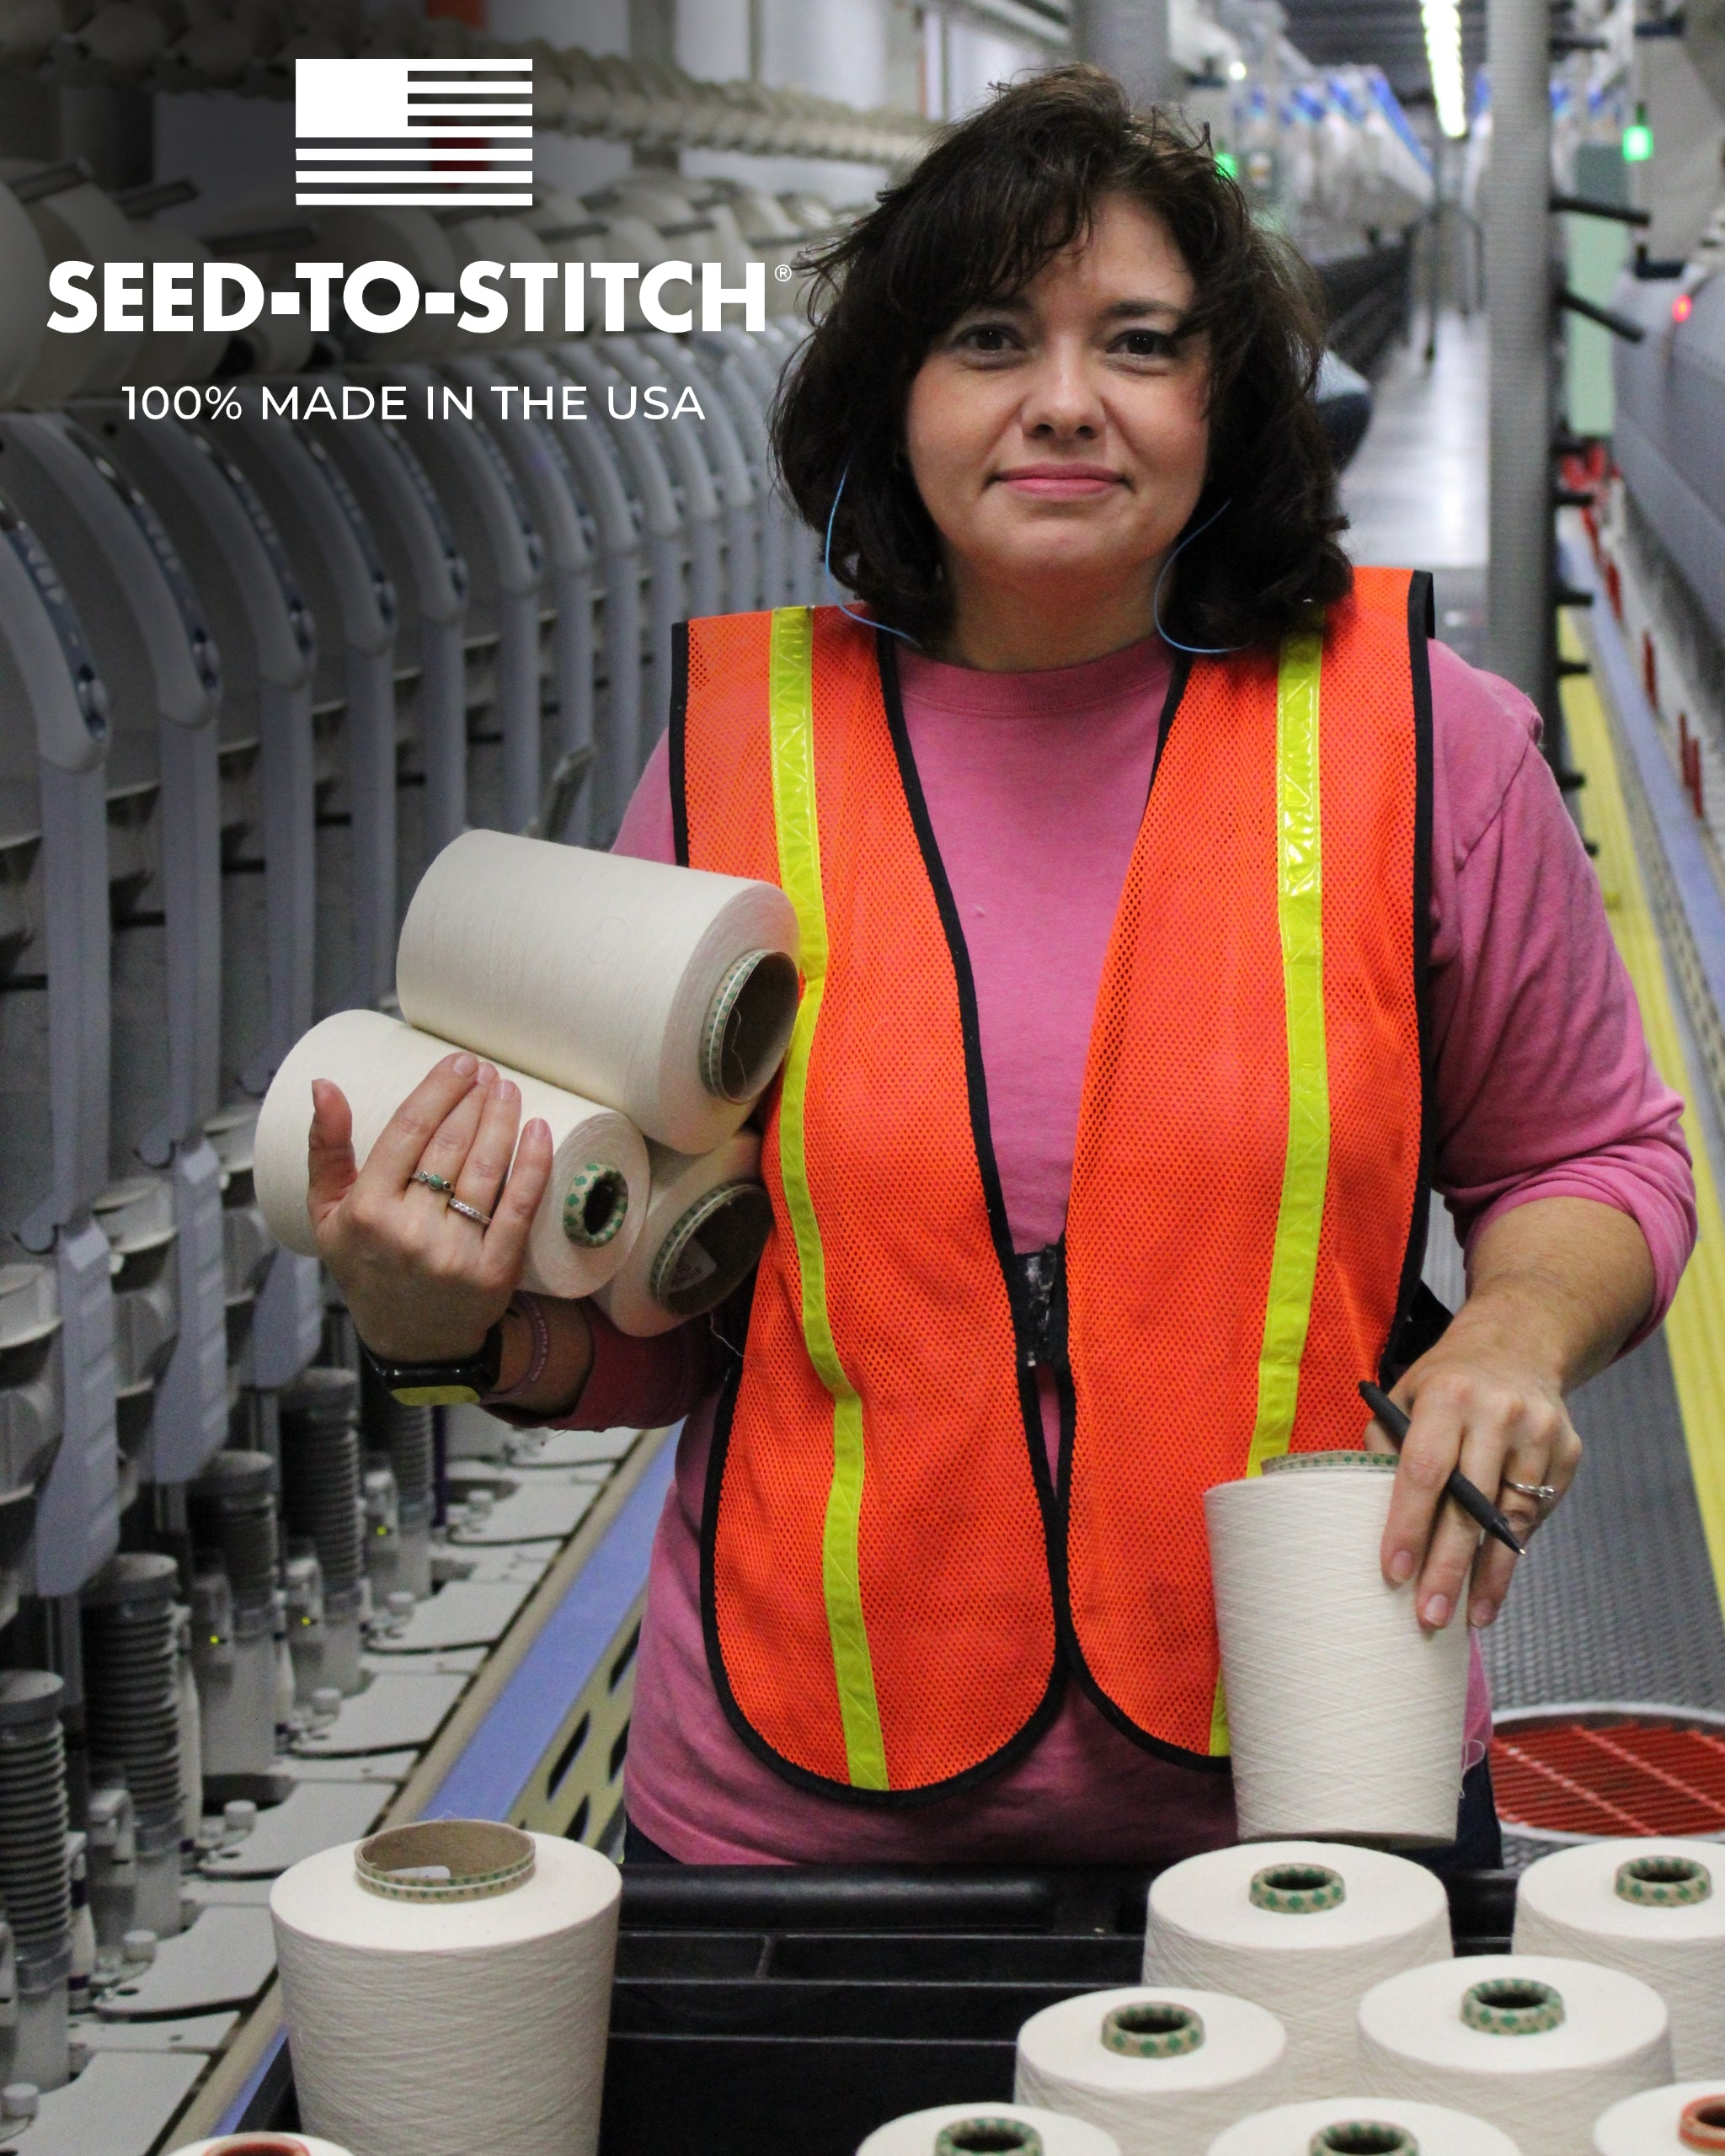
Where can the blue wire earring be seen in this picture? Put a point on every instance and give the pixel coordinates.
(832, 581)
(1191, 650)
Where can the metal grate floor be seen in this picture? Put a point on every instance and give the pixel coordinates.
(1616, 1598)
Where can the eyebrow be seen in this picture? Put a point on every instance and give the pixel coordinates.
(1122, 310)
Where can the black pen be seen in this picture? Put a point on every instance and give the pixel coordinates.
(1472, 1500)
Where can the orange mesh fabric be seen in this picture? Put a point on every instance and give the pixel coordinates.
(1178, 1176)
(1177, 1185)
(953, 1554)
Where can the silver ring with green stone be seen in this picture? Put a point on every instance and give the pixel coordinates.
(1513, 2006)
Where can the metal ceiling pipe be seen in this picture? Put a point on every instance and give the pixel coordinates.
(1130, 39)
(1520, 636)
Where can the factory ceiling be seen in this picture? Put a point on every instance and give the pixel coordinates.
(1386, 31)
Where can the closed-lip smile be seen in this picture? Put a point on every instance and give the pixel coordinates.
(1060, 482)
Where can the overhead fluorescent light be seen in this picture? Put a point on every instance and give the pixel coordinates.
(1442, 20)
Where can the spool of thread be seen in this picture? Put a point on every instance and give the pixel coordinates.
(485, 1949)
(320, 1470)
(708, 1221)
(262, 2143)
(591, 1211)
(1163, 2071)
(1300, 1929)
(666, 992)
(1363, 2125)
(1537, 2044)
(1664, 2121)
(1654, 1908)
(988, 2129)
(1345, 1718)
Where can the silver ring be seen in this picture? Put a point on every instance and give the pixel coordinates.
(469, 1212)
(1542, 1493)
(433, 1181)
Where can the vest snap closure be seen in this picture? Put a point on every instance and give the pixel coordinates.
(1039, 1286)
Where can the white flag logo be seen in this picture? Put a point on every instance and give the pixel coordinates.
(442, 134)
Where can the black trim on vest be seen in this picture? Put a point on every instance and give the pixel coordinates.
(1056, 1509)
(1178, 677)
(975, 1077)
(1176, 1755)
(875, 1800)
(677, 733)
(1042, 1719)
(1419, 1316)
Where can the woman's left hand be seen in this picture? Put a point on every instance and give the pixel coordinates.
(1478, 1403)
(1556, 1287)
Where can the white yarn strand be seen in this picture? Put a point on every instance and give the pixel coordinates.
(1345, 1718)
(1437, 2131)
(593, 971)
(1651, 2124)
(917, 2132)
(1543, 2089)
(1568, 1903)
(377, 1062)
(1308, 1969)
(438, 2029)
(1172, 2106)
(680, 1182)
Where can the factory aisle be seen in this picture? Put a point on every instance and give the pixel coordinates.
(1415, 495)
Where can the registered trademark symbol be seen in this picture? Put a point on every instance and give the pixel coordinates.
(782, 272)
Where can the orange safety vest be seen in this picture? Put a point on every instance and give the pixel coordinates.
(894, 1587)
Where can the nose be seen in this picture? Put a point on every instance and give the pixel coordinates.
(1062, 402)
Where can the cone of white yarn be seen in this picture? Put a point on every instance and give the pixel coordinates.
(1343, 1716)
(1302, 1929)
(1652, 2123)
(1537, 2044)
(1160, 2070)
(1655, 1908)
(707, 1223)
(446, 1988)
(264, 2143)
(1363, 2125)
(667, 993)
(998, 2129)
(593, 1208)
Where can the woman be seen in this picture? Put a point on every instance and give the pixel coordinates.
(1172, 917)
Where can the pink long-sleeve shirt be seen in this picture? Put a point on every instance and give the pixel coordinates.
(1035, 786)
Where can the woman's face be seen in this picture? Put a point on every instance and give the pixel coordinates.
(1059, 438)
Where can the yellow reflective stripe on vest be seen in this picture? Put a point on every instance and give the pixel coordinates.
(1305, 1167)
(791, 712)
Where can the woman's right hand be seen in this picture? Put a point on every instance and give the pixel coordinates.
(422, 1281)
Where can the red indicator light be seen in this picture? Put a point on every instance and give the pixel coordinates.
(1682, 307)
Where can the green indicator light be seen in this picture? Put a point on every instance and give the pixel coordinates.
(1637, 139)
(1229, 165)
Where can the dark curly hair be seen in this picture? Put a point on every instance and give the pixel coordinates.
(993, 200)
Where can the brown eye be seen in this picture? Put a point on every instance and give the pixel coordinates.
(988, 338)
(1147, 344)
